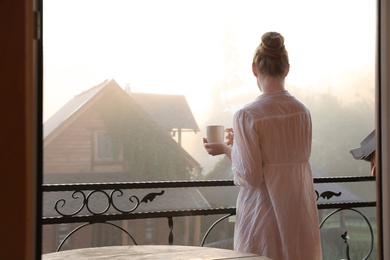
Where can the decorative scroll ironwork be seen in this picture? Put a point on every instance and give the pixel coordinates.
(151, 196)
(345, 238)
(62, 203)
(327, 194)
(88, 201)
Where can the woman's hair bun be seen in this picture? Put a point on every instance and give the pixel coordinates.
(270, 57)
(272, 45)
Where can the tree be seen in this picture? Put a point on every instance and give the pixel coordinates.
(149, 152)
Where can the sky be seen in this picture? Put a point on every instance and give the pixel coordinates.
(179, 46)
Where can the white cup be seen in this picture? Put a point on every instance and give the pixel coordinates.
(215, 133)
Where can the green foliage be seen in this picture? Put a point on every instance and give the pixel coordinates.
(222, 170)
(149, 152)
(337, 129)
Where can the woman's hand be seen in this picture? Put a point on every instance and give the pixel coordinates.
(220, 148)
(230, 136)
(213, 148)
(216, 148)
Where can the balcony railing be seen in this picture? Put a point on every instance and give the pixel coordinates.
(125, 201)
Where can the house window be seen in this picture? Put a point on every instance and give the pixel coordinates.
(149, 229)
(62, 232)
(103, 146)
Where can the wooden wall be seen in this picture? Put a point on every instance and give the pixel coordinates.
(72, 149)
(18, 112)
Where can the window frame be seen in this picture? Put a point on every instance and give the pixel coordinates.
(383, 126)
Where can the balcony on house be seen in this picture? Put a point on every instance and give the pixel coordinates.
(179, 213)
(115, 173)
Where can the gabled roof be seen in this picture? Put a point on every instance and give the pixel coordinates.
(367, 147)
(70, 108)
(82, 102)
(169, 111)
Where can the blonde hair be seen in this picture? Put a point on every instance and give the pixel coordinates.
(271, 57)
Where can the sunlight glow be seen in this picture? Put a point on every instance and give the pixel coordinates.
(181, 47)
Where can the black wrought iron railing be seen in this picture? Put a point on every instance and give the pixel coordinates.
(76, 203)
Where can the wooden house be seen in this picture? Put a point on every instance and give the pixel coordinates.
(105, 135)
(104, 130)
(171, 112)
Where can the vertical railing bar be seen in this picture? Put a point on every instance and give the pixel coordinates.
(170, 226)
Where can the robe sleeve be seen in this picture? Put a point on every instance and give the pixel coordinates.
(246, 153)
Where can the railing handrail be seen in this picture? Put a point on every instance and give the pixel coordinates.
(336, 179)
(138, 215)
(181, 184)
(137, 185)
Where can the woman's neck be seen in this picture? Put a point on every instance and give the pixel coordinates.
(271, 85)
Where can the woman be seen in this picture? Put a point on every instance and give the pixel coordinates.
(277, 214)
